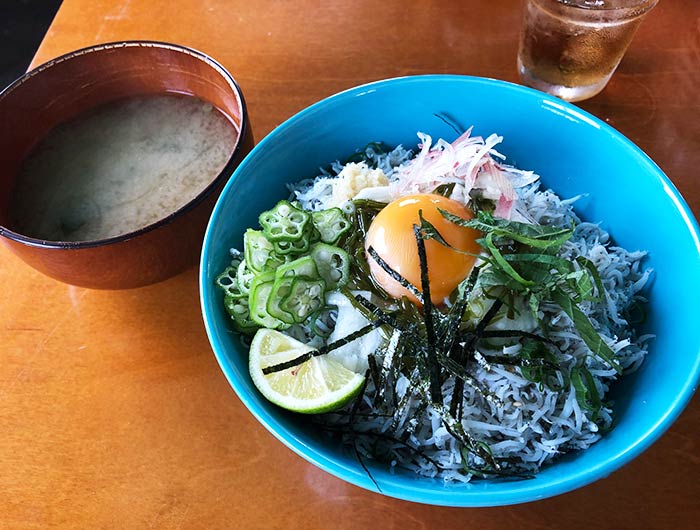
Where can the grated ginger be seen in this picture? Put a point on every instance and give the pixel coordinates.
(354, 178)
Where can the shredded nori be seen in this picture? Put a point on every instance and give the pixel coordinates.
(321, 351)
(429, 345)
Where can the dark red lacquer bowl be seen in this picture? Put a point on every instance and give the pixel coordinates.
(62, 88)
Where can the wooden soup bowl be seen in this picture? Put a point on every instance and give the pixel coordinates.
(68, 85)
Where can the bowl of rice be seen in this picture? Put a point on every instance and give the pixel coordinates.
(525, 397)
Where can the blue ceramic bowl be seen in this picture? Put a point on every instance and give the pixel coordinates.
(575, 153)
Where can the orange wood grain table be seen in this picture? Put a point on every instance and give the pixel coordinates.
(113, 411)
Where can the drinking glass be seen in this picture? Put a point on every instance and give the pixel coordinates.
(570, 48)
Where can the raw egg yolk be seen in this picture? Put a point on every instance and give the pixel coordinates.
(391, 235)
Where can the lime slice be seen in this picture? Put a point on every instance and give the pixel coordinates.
(320, 384)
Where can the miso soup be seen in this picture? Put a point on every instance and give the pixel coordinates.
(120, 167)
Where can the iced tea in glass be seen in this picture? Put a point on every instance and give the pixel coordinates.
(570, 48)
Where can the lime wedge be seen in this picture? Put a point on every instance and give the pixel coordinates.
(320, 384)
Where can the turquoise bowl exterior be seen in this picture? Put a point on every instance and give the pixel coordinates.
(575, 154)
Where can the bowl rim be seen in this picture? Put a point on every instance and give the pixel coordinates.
(220, 178)
(519, 492)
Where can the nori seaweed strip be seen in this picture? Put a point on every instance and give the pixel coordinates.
(459, 408)
(490, 473)
(366, 312)
(456, 429)
(450, 325)
(487, 318)
(463, 354)
(292, 363)
(460, 354)
(451, 122)
(454, 426)
(428, 230)
(507, 333)
(382, 436)
(391, 367)
(321, 351)
(395, 275)
(461, 373)
(398, 364)
(413, 422)
(403, 402)
(358, 399)
(372, 310)
(431, 355)
(520, 362)
(482, 361)
(453, 319)
(409, 315)
(373, 369)
(503, 476)
(386, 374)
(362, 463)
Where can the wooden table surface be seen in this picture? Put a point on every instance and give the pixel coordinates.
(113, 410)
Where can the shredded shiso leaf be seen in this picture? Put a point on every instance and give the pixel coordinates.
(514, 370)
